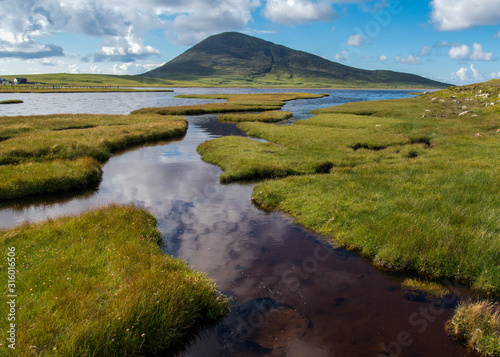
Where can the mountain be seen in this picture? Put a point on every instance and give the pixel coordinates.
(232, 58)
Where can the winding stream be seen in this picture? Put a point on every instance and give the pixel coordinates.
(293, 294)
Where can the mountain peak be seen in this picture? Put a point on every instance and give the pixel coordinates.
(233, 58)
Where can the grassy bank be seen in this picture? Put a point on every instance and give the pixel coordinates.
(477, 325)
(56, 153)
(273, 116)
(98, 284)
(234, 103)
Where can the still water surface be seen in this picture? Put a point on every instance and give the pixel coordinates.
(293, 294)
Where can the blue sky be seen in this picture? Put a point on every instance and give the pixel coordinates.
(456, 41)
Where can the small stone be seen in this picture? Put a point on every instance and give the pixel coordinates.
(464, 113)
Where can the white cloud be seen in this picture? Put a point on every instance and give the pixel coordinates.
(382, 58)
(466, 75)
(207, 18)
(126, 48)
(134, 68)
(479, 54)
(292, 12)
(461, 74)
(463, 52)
(342, 56)
(411, 59)
(495, 75)
(451, 15)
(355, 41)
(475, 72)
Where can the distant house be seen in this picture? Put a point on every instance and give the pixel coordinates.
(20, 80)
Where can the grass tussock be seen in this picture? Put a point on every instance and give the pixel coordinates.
(429, 289)
(98, 284)
(11, 101)
(274, 116)
(235, 103)
(55, 153)
(407, 188)
(477, 325)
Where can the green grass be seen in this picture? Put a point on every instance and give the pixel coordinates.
(11, 101)
(98, 284)
(429, 289)
(273, 116)
(477, 324)
(235, 103)
(56, 153)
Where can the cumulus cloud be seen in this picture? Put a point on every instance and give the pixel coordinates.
(479, 55)
(475, 72)
(355, 41)
(125, 49)
(342, 56)
(495, 75)
(210, 17)
(452, 15)
(464, 75)
(410, 59)
(463, 52)
(292, 12)
(134, 68)
(461, 74)
(382, 59)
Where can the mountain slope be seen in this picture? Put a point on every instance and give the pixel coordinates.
(233, 58)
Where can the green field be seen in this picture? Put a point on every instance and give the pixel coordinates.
(56, 153)
(96, 80)
(98, 284)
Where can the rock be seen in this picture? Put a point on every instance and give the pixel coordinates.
(464, 107)
(464, 113)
